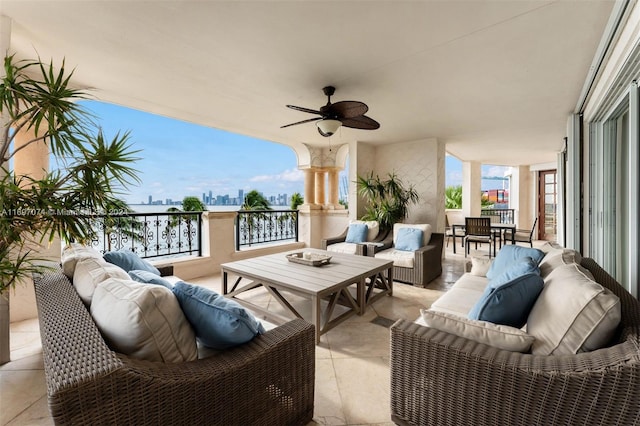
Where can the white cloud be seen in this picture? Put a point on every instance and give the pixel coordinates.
(495, 171)
(292, 175)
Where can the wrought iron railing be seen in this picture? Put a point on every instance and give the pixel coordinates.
(504, 215)
(265, 226)
(150, 234)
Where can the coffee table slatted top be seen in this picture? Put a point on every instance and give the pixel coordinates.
(342, 269)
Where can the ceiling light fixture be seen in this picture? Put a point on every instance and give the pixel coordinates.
(328, 126)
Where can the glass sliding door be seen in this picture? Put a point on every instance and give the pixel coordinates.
(612, 173)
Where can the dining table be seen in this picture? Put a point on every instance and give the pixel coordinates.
(494, 226)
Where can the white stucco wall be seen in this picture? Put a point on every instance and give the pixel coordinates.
(420, 163)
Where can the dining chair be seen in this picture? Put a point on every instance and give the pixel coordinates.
(478, 230)
(522, 235)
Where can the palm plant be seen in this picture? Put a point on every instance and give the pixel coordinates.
(389, 199)
(37, 99)
(254, 200)
(189, 204)
(296, 200)
(453, 197)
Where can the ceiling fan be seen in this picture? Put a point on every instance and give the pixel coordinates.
(332, 116)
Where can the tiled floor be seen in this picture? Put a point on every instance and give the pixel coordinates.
(352, 360)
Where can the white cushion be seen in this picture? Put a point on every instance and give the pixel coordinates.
(426, 231)
(480, 266)
(373, 228)
(143, 321)
(90, 272)
(348, 248)
(462, 297)
(497, 336)
(556, 257)
(73, 252)
(401, 258)
(572, 314)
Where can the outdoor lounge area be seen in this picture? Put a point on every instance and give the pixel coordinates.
(529, 316)
(352, 360)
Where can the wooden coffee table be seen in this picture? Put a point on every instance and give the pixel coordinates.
(330, 282)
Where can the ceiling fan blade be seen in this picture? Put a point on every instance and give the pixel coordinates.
(362, 122)
(348, 109)
(302, 122)
(303, 109)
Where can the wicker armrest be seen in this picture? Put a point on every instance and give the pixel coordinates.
(383, 242)
(165, 270)
(428, 259)
(334, 240)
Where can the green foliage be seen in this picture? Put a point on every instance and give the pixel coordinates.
(253, 200)
(193, 204)
(93, 170)
(453, 197)
(296, 200)
(389, 199)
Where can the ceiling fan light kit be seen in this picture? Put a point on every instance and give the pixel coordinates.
(332, 116)
(328, 126)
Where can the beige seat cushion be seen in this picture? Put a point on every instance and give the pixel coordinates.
(572, 314)
(401, 258)
(462, 297)
(497, 336)
(347, 248)
(143, 321)
(425, 227)
(74, 252)
(90, 272)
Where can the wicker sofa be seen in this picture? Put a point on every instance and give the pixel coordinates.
(439, 378)
(269, 380)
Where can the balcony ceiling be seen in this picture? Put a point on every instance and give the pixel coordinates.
(495, 80)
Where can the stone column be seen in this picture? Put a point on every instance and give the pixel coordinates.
(309, 187)
(333, 188)
(471, 188)
(33, 160)
(320, 183)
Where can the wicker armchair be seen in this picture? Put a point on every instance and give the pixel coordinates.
(269, 380)
(427, 261)
(440, 379)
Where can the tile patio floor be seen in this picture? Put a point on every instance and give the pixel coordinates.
(352, 360)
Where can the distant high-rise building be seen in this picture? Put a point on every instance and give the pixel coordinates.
(150, 199)
(210, 199)
(240, 196)
(204, 198)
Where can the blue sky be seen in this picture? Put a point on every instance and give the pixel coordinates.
(180, 159)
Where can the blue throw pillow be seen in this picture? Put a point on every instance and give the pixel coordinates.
(357, 233)
(524, 266)
(409, 239)
(147, 277)
(129, 261)
(218, 322)
(509, 303)
(509, 254)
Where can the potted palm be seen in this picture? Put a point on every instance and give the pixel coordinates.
(388, 198)
(37, 99)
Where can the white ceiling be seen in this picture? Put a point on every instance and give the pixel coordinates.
(495, 80)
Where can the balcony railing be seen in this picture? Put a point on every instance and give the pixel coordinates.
(150, 234)
(265, 226)
(504, 215)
